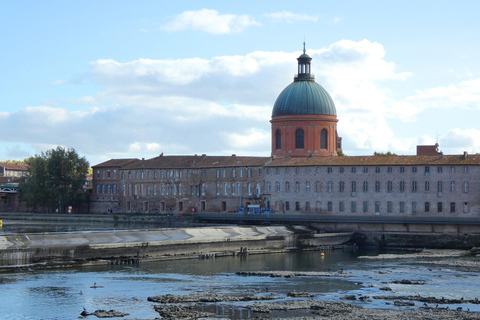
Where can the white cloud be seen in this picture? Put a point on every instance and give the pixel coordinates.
(456, 141)
(210, 21)
(290, 17)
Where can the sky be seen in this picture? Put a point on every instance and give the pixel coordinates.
(133, 79)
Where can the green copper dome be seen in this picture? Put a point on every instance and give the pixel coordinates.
(304, 95)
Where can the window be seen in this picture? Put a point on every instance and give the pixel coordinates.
(277, 186)
(114, 174)
(323, 139)
(365, 186)
(223, 173)
(287, 186)
(452, 207)
(329, 170)
(249, 172)
(439, 169)
(239, 190)
(330, 206)
(341, 206)
(427, 185)
(452, 186)
(377, 207)
(123, 175)
(427, 206)
(259, 172)
(402, 207)
(98, 173)
(354, 187)
(402, 169)
(452, 169)
(377, 186)
(204, 173)
(148, 190)
(465, 187)
(297, 206)
(162, 189)
(365, 206)
(299, 142)
(297, 170)
(377, 169)
(341, 186)
(155, 175)
(307, 170)
(286, 170)
(414, 207)
(427, 171)
(225, 189)
(465, 169)
(414, 169)
(389, 206)
(233, 189)
(154, 189)
(440, 187)
(330, 186)
(389, 170)
(307, 186)
(365, 169)
(342, 170)
(402, 186)
(389, 186)
(414, 186)
(103, 174)
(217, 189)
(440, 207)
(354, 206)
(287, 205)
(123, 190)
(297, 186)
(269, 186)
(354, 169)
(249, 188)
(218, 173)
(148, 174)
(278, 139)
(188, 174)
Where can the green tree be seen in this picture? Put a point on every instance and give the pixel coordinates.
(380, 154)
(55, 179)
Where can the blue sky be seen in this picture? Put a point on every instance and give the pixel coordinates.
(121, 79)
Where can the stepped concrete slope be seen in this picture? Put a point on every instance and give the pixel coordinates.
(115, 247)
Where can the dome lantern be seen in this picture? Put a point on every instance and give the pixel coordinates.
(304, 67)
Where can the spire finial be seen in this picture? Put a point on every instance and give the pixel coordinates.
(303, 46)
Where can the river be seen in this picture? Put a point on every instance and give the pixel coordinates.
(64, 293)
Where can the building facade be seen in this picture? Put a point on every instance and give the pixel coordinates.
(304, 173)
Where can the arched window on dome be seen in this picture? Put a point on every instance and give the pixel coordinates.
(299, 141)
(278, 139)
(323, 139)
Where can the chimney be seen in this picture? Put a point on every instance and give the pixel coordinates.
(234, 155)
(161, 154)
(465, 155)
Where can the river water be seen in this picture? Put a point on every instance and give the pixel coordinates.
(63, 293)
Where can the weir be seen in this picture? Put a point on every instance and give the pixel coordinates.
(127, 247)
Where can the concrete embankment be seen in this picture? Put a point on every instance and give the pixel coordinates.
(125, 247)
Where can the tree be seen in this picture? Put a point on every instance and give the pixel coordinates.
(55, 179)
(380, 154)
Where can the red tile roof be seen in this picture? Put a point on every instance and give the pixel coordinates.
(13, 166)
(202, 161)
(472, 159)
(116, 163)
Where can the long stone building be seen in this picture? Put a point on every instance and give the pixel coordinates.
(304, 173)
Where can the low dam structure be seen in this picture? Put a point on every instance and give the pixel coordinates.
(133, 246)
